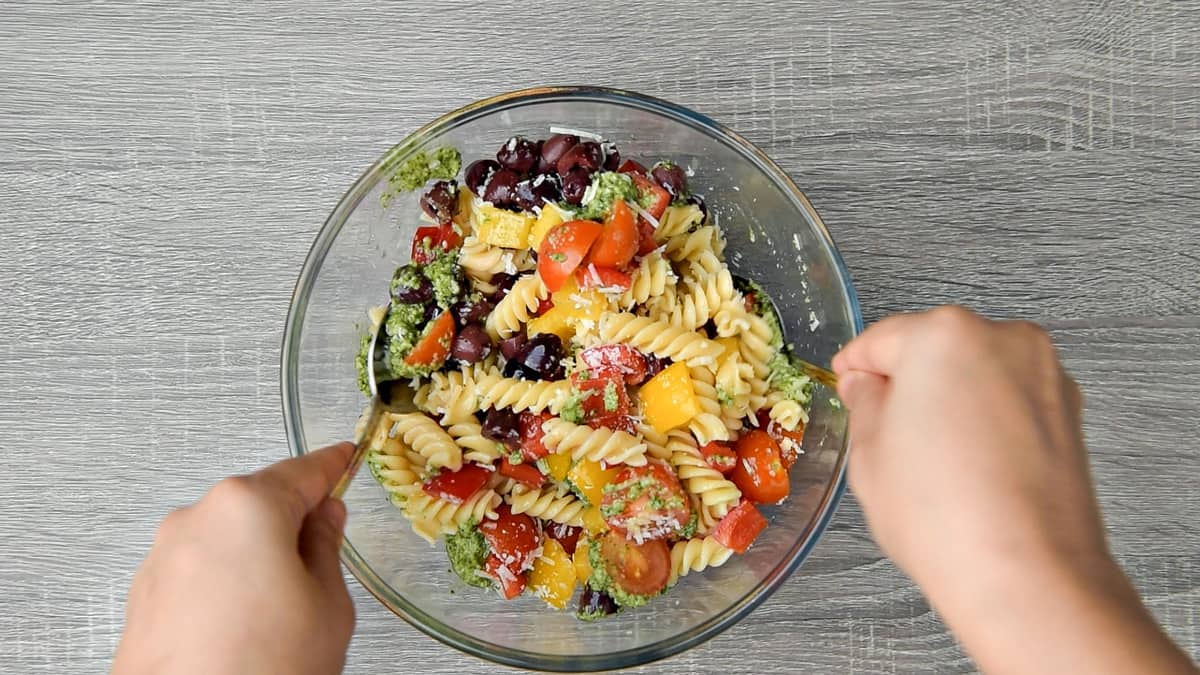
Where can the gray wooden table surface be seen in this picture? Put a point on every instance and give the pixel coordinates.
(165, 166)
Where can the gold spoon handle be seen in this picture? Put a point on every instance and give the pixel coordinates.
(362, 433)
(817, 373)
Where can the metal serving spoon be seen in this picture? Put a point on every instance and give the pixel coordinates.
(398, 398)
(817, 373)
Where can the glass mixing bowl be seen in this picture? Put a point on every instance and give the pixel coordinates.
(774, 236)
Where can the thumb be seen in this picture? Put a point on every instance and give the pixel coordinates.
(864, 395)
(320, 541)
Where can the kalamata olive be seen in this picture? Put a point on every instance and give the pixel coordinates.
(536, 191)
(553, 149)
(471, 344)
(478, 172)
(655, 365)
(503, 281)
(587, 155)
(466, 312)
(512, 346)
(596, 603)
(431, 311)
(501, 188)
(699, 201)
(574, 184)
(612, 156)
(518, 154)
(502, 426)
(539, 359)
(440, 201)
(419, 291)
(671, 177)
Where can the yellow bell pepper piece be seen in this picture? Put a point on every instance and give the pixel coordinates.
(558, 464)
(590, 479)
(583, 566)
(593, 522)
(669, 399)
(571, 306)
(553, 575)
(549, 219)
(504, 228)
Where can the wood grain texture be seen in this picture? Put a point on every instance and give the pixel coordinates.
(165, 166)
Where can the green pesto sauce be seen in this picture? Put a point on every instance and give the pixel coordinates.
(789, 379)
(360, 363)
(766, 309)
(572, 408)
(688, 531)
(405, 328)
(611, 399)
(609, 186)
(468, 551)
(445, 274)
(602, 581)
(724, 397)
(416, 171)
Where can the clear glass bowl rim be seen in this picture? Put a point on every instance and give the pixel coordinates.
(291, 403)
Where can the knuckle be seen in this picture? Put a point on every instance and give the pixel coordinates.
(955, 319)
(235, 491)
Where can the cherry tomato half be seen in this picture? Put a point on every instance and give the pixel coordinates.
(640, 569)
(759, 472)
(433, 349)
(619, 359)
(563, 250)
(646, 502)
(457, 486)
(512, 537)
(740, 527)
(719, 456)
(618, 243)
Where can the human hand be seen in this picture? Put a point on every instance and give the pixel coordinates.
(970, 466)
(247, 580)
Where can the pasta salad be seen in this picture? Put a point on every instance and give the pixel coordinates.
(601, 406)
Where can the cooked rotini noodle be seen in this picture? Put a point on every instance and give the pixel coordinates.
(785, 412)
(710, 425)
(706, 520)
(698, 253)
(659, 338)
(481, 261)
(428, 438)
(696, 555)
(549, 503)
(649, 279)
(716, 493)
(447, 516)
(678, 220)
(475, 446)
(655, 440)
(607, 445)
(732, 382)
(517, 307)
(493, 390)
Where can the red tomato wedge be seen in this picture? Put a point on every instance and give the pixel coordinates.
(631, 166)
(512, 537)
(759, 472)
(523, 473)
(603, 398)
(740, 527)
(457, 487)
(433, 349)
(617, 359)
(530, 424)
(511, 583)
(618, 243)
(605, 278)
(646, 240)
(563, 250)
(428, 240)
(567, 535)
(719, 456)
(660, 198)
(646, 502)
(790, 442)
(640, 569)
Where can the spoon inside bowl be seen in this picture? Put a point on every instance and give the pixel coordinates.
(817, 373)
(393, 396)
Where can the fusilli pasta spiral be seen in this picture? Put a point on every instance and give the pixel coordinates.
(677, 220)
(517, 307)
(550, 503)
(716, 493)
(475, 446)
(649, 279)
(696, 555)
(607, 445)
(428, 438)
(659, 338)
(432, 516)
